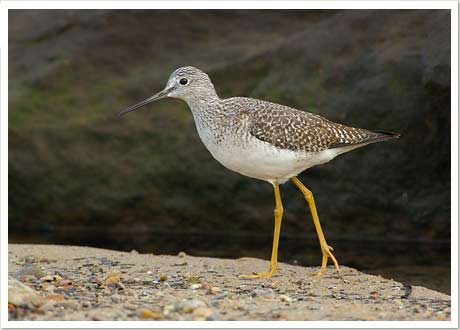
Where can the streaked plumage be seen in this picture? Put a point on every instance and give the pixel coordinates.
(264, 140)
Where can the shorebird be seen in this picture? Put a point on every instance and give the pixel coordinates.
(266, 141)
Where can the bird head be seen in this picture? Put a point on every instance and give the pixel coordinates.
(187, 83)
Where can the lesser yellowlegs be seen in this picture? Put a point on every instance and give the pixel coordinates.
(264, 140)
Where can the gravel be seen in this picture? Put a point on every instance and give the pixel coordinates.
(49, 282)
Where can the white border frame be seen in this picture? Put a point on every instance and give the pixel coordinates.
(452, 5)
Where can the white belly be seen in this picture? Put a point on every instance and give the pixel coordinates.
(263, 161)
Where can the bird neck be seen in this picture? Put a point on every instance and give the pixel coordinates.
(206, 111)
(203, 102)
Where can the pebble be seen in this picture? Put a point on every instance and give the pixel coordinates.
(31, 259)
(22, 295)
(285, 298)
(32, 270)
(112, 278)
(163, 278)
(216, 289)
(149, 314)
(182, 254)
(195, 286)
(55, 297)
(193, 279)
(51, 278)
(202, 313)
(28, 278)
(189, 306)
(168, 309)
(263, 292)
(65, 283)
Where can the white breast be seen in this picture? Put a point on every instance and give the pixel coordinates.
(263, 161)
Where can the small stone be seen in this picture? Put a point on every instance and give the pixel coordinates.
(149, 314)
(206, 286)
(195, 286)
(190, 305)
(47, 278)
(263, 292)
(168, 309)
(112, 278)
(32, 270)
(68, 303)
(182, 254)
(65, 283)
(163, 278)
(51, 279)
(55, 297)
(31, 259)
(133, 251)
(28, 278)
(194, 279)
(202, 313)
(285, 298)
(85, 304)
(136, 280)
(130, 306)
(11, 308)
(214, 290)
(22, 295)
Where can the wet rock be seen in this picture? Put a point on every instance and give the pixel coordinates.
(21, 295)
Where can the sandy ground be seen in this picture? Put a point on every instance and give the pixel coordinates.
(81, 283)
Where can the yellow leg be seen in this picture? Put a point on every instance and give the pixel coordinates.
(276, 236)
(326, 249)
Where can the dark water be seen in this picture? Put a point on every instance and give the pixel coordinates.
(414, 263)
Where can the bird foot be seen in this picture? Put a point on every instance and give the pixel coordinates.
(326, 249)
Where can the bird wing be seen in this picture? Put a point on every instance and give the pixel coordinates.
(289, 128)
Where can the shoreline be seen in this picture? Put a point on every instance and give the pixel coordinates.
(84, 283)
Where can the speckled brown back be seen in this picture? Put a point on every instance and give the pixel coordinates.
(289, 128)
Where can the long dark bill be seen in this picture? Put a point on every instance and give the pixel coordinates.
(155, 97)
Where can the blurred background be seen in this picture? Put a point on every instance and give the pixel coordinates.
(80, 175)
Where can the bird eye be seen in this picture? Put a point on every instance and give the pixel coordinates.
(183, 81)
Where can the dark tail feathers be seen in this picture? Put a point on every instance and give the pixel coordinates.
(379, 136)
